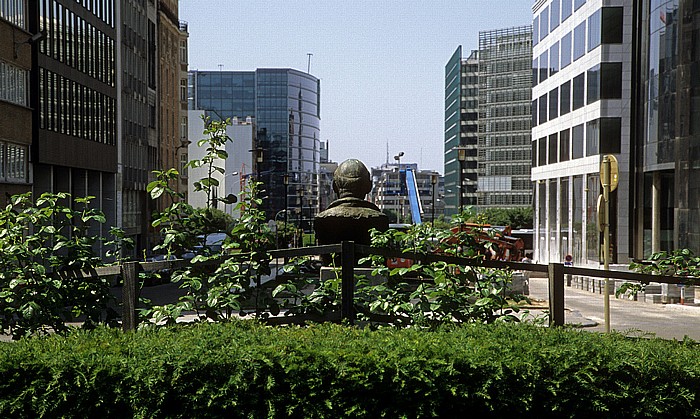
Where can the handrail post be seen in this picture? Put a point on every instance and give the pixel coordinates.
(556, 294)
(130, 273)
(347, 295)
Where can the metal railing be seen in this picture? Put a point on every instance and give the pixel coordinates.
(348, 253)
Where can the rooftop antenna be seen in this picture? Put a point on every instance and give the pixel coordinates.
(221, 67)
(308, 67)
(387, 152)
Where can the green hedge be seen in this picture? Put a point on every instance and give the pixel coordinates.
(245, 369)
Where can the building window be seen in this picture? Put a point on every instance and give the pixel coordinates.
(565, 101)
(533, 153)
(535, 72)
(544, 66)
(542, 109)
(611, 25)
(553, 153)
(183, 90)
(553, 104)
(554, 59)
(594, 30)
(14, 84)
(183, 128)
(577, 142)
(13, 163)
(579, 40)
(578, 4)
(611, 80)
(535, 31)
(565, 50)
(565, 9)
(15, 12)
(542, 151)
(554, 15)
(610, 135)
(592, 137)
(593, 87)
(183, 51)
(579, 87)
(544, 23)
(564, 145)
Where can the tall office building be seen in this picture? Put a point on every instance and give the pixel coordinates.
(505, 57)
(666, 157)
(135, 124)
(15, 112)
(285, 104)
(74, 93)
(461, 130)
(582, 107)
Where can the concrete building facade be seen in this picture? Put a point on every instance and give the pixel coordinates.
(503, 160)
(582, 104)
(15, 111)
(389, 192)
(74, 94)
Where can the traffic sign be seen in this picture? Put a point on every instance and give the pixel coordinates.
(614, 172)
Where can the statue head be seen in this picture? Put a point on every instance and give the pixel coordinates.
(352, 179)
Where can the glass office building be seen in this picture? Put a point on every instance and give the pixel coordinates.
(285, 105)
(503, 162)
(461, 130)
(667, 156)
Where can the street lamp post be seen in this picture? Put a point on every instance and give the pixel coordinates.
(462, 157)
(285, 180)
(399, 213)
(433, 181)
(300, 194)
(277, 242)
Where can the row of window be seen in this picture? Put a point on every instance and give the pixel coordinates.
(513, 169)
(14, 84)
(13, 163)
(551, 16)
(505, 125)
(602, 136)
(70, 108)
(75, 42)
(509, 155)
(103, 9)
(14, 11)
(604, 27)
(604, 82)
(505, 200)
(507, 96)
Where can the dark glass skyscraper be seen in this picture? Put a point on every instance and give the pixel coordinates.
(286, 106)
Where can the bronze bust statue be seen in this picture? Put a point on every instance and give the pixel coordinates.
(350, 217)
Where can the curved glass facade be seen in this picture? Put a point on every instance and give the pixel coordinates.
(286, 106)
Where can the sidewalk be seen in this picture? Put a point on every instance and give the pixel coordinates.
(585, 309)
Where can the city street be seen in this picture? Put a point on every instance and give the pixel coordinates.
(668, 321)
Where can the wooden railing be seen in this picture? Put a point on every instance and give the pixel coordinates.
(349, 251)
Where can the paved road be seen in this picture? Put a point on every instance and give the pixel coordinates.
(668, 321)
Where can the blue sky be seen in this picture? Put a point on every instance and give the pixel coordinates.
(381, 63)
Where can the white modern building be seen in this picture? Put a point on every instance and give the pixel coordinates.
(581, 110)
(390, 193)
(238, 166)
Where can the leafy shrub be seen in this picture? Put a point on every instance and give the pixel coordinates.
(242, 369)
(40, 243)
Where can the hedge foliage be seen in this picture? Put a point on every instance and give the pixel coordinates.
(244, 369)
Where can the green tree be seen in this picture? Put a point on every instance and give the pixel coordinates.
(516, 218)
